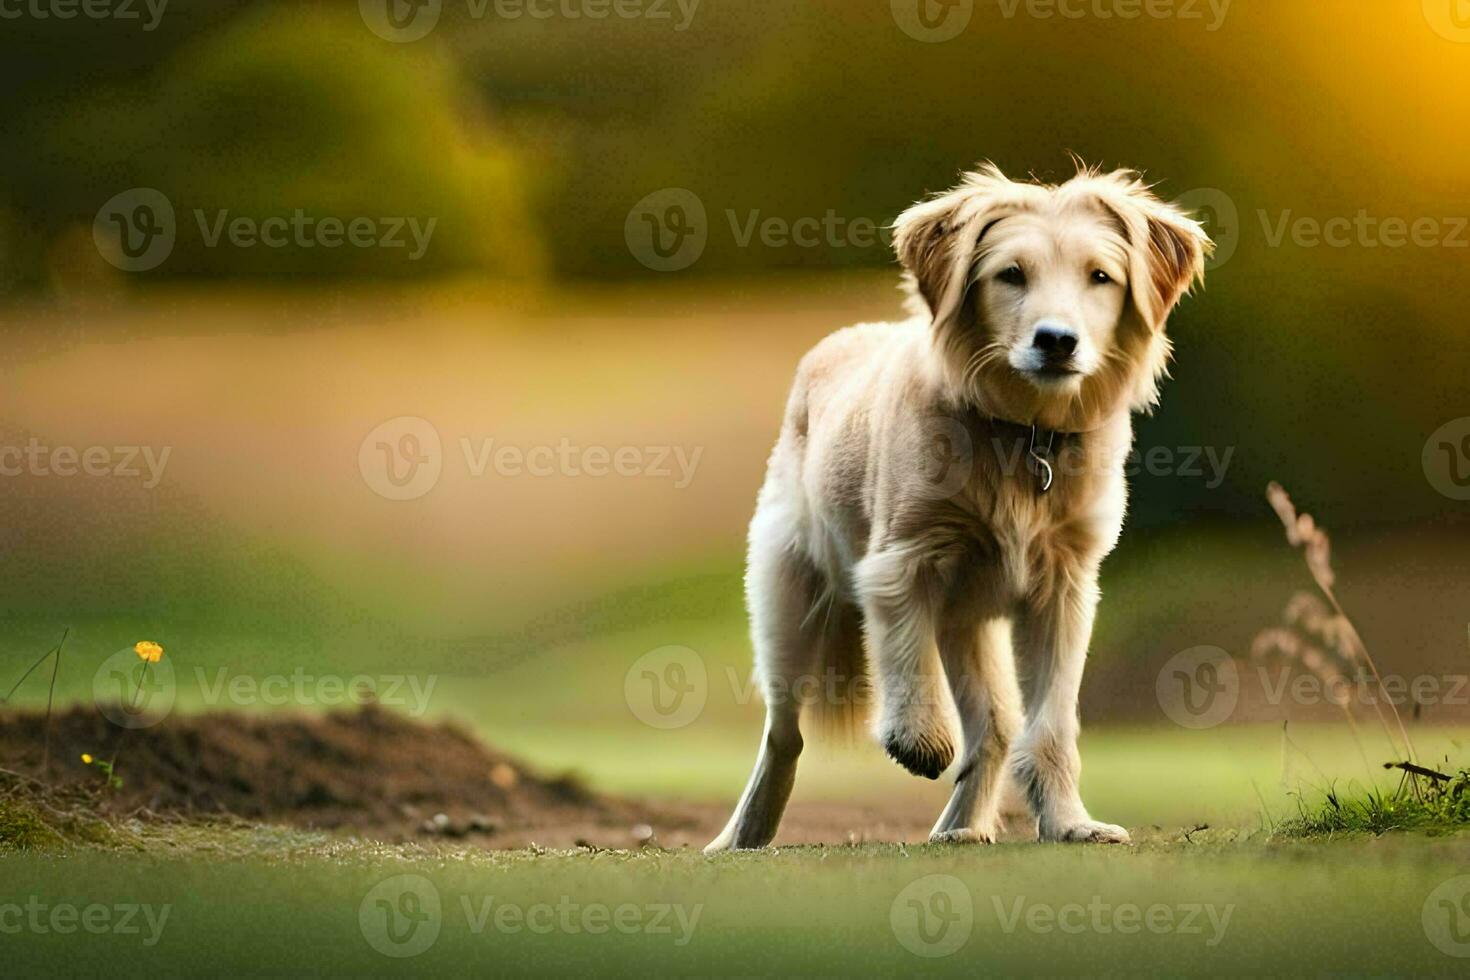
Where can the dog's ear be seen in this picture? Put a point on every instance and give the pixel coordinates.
(924, 237)
(936, 239)
(1168, 251)
(1177, 248)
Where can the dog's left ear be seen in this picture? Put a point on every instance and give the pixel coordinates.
(1168, 255)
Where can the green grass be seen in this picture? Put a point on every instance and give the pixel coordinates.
(1422, 804)
(275, 902)
(1242, 896)
(24, 828)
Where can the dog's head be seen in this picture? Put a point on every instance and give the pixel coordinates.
(1049, 302)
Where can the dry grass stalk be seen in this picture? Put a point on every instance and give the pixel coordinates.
(1293, 644)
(1338, 644)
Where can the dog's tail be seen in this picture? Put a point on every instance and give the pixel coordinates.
(840, 708)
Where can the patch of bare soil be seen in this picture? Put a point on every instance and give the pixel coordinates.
(369, 772)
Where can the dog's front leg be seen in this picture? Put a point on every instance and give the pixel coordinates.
(1052, 638)
(982, 679)
(913, 722)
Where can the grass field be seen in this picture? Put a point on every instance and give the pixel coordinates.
(1209, 887)
(286, 903)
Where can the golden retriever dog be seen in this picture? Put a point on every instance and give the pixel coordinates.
(967, 589)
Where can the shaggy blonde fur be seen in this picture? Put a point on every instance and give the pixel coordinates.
(903, 518)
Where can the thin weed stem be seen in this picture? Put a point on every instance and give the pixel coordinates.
(50, 700)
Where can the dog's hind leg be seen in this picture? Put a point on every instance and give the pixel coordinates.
(981, 670)
(790, 614)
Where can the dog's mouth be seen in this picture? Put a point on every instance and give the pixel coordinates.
(1056, 372)
(1054, 375)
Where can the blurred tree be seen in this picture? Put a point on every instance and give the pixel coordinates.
(277, 110)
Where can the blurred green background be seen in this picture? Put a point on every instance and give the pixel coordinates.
(529, 320)
(529, 140)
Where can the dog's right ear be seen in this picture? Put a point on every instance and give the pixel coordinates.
(924, 238)
(936, 240)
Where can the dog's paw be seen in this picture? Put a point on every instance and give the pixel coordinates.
(923, 753)
(1090, 832)
(723, 845)
(964, 835)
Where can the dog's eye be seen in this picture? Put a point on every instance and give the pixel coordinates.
(1014, 276)
(1100, 278)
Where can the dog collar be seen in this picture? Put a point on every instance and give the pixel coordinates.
(1041, 446)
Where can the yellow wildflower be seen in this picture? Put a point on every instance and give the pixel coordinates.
(87, 758)
(149, 651)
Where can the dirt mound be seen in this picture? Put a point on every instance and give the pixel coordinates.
(368, 771)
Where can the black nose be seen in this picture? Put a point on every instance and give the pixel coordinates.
(1055, 341)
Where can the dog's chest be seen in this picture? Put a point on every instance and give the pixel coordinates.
(1030, 537)
(1020, 527)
